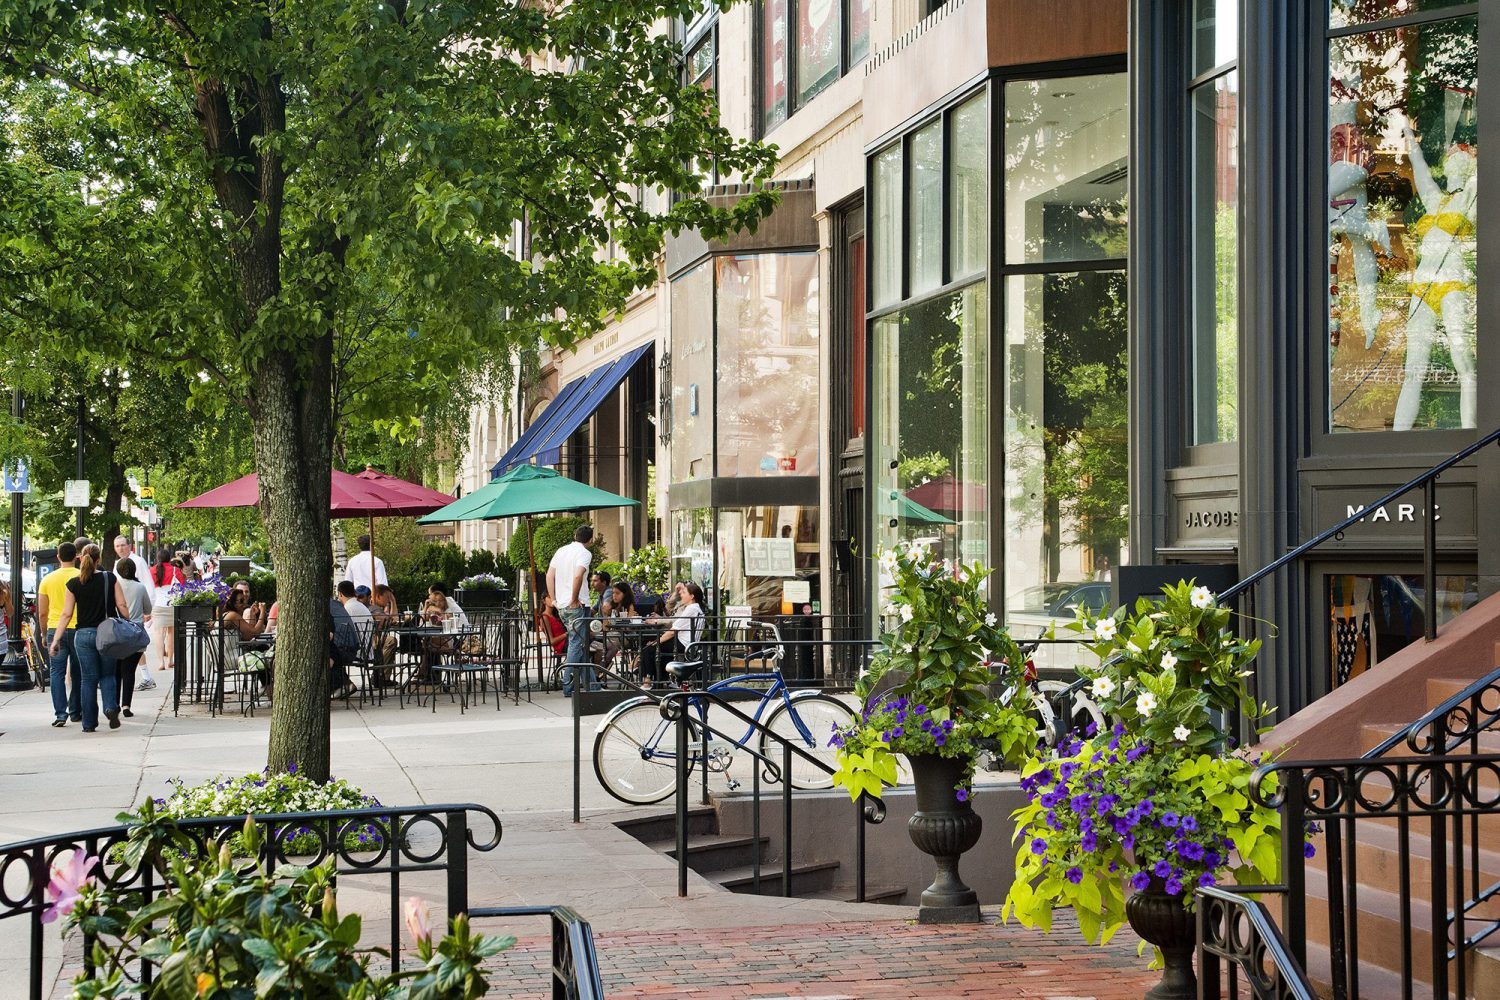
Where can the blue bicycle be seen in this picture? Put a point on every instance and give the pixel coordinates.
(635, 749)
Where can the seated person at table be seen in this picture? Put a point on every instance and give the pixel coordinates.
(606, 643)
(440, 608)
(343, 648)
(386, 615)
(686, 627)
(557, 632)
(599, 584)
(245, 622)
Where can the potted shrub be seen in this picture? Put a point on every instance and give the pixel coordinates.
(481, 591)
(948, 683)
(196, 600)
(649, 570)
(1126, 823)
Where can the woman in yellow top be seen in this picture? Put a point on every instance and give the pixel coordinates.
(1442, 285)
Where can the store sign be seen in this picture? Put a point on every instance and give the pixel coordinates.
(1402, 521)
(1207, 518)
(796, 592)
(770, 557)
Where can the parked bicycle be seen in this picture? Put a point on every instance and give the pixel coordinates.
(635, 751)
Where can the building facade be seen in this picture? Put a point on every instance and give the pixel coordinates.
(1068, 287)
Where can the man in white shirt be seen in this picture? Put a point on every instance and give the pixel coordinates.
(365, 570)
(568, 583)
(124, 550)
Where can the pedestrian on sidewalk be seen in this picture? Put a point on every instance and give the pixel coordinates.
(125, 553)
(164, 574)
(136, 605)
(93, 594)
(57, 634)
(567, 581)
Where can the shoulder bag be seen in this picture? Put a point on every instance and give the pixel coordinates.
(119, 637)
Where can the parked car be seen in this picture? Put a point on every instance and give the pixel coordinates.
(28, 578)
(1030, 613)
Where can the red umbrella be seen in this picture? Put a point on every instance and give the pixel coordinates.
(947, 494)
(367, 494)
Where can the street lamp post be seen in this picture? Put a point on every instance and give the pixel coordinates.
(14, 675)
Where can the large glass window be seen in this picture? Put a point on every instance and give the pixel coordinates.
(768, 558)
(767, 339)
(925, 214)
(970, 184)
(1065, 335)
(885, 224)
(692, 547)
(1403, 187)
(816, 40)
(693, 375)
(1066, 143)
(931, 425)
(1067, 445)
(1213, 329)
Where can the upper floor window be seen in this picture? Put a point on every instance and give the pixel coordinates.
(805, 45)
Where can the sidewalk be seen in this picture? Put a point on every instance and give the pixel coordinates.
(518, 762)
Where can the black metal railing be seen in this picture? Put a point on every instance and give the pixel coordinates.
(1238, 940)
(397, 842)
(693, 727)
(575, 964)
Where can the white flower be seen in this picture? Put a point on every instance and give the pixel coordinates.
(1103, 687)
(905, 612)
(1168, 661)
(1202, 597)
(1133, 647)
(1105, 629)
(916, 552)
(1181, 733)
(1145, 704)
(888, 560)
(990, 620)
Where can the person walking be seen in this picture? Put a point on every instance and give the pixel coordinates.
(57, 635)
(141, 575)
(567, 582)
(166, 572)
(365, 570)
(93, 593)
(136, 605)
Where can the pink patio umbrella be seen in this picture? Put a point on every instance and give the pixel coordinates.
(370, 494)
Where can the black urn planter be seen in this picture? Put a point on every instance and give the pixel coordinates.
(182, 614)
(481, 600)
(945, 828)
(1160, 919)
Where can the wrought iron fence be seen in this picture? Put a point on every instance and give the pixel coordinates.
(1238, 941)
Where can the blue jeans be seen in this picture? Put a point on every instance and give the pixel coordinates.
(576, 621)
(98, 677)
(64, 681)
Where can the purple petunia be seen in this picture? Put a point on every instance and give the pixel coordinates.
(1191, 849)
(1173, 886)
(1207, 879)
(1139, 881)
(1075, 875)
(1308, 850)
(947, 725)
(1038, 846)
(1091, 730)
(940, 739)
(920, 709)
(1089, 842)
(1134, 753)
(1170, 819)
(1189, 824)
(962, 795)
(1067, 769)
(1161, 869)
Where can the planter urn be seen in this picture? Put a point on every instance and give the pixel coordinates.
(185, 613)
(1159, 918)
(945, 828)
(481, 600)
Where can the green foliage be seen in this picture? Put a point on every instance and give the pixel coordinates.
(481, 561)
(960, 684)
(918, 469)
(264, 794)
(650, 567)
(552, 533)
(262, 585)
(225, 928)
(614, 568)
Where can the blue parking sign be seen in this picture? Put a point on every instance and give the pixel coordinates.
(17, 477)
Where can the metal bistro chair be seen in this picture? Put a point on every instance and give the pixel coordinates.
(367, 666)
(453, 668)
(229, 671)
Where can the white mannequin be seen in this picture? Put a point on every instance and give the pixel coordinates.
(1442, 285)
(1348, 209)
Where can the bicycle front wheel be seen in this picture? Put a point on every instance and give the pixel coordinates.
(635, 756)
(807, 724)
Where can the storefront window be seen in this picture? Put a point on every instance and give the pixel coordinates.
(1371, 617)
(768, 558)
(859, 29)
(931, 426)
(885, 226)
(925, 215)
(1066, 144)
(1216, 34)
(817, 46)
(692, 375)
(1067, 445)
(767, 343)
(968, 181)
(1403, 185)
(1214, 354)
(692, 547)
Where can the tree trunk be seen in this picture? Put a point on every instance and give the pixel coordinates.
(290, 407)
(114, 494)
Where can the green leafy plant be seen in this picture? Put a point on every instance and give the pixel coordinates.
(483, 581)
(262, 584)
(614, 568)
(551, 534)
(225, 928)
(650, 567)
(959, 678)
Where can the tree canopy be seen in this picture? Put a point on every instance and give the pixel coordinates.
(328, 208)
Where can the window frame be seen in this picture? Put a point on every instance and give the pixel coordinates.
(793, 22)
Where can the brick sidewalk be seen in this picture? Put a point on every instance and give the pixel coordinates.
(846, 961)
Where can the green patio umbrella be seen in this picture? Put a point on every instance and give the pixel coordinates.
(522, 492)
(909, 510)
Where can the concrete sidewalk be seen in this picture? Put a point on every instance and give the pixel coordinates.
(518, 762)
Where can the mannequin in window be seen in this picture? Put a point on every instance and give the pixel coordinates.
(1348, 207)
(1442, 286)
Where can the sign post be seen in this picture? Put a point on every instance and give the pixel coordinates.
(14, 674)
(76, 494)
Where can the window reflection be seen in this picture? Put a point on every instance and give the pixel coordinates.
(761, 551)
(692, 375)
(1215, 303)
(1402, 186)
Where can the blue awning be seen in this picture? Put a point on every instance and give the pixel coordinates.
(544, 439)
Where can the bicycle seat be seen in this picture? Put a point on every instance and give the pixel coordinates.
(683, 669)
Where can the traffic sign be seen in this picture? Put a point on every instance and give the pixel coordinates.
(147, 492)
(76, 493)
(17, 477)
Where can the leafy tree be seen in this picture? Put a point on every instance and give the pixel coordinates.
(305, 201)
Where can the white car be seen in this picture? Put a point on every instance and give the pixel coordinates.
(28, 578)
(1030, 613)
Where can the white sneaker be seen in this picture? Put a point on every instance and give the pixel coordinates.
(146, 686)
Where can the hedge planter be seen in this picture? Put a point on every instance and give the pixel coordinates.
(481, 600)
(184, 613)
(945, 828)
(1160, 919)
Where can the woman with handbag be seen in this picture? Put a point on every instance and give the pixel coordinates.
(135, 606)
(93, 593)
